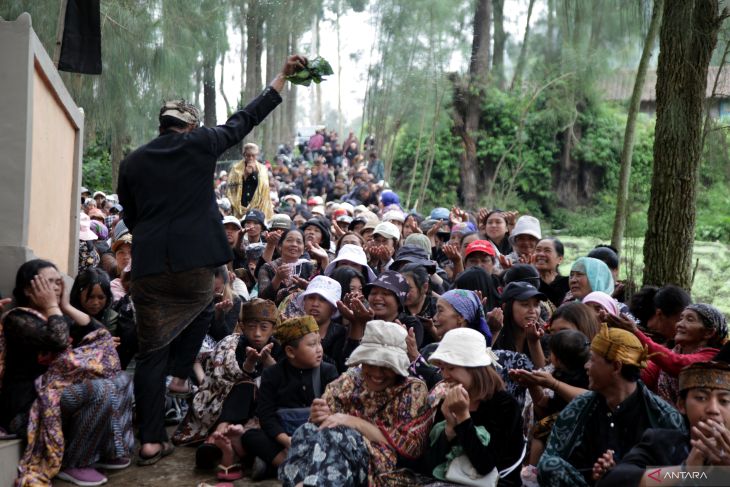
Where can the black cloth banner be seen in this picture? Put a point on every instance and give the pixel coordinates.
(81, 44)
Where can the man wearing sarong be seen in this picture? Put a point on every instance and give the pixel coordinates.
(599, 427)
(170, 206)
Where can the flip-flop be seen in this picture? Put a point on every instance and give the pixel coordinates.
(229, 473)
(207, 456)
(167, 449)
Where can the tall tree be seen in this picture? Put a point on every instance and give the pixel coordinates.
(500, 41)
(687, 38)
(619, 222)
(522, 58)
(467, 101)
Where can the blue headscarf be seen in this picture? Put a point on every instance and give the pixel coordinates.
(467, 304)
(598, 273)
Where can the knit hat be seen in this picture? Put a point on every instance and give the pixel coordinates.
(259, 309)
(468, 305)
(419, 240)
(464, 347)
(295, 328)
(706, 375)
(325, 287)
(384, 345)
(389, 198)
(526, 225)
(85, 232)
(387, 230)
(711, 318)
(615, 344)
(351, 253)
(391, 281)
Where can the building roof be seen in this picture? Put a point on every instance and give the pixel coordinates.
(619, 86)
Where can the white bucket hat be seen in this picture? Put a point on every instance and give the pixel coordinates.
(232, 220)
(387, 230)
(85, 232)
(323, 286)
(351, 253)
(526, 225)
(384, 345)
(464, 347)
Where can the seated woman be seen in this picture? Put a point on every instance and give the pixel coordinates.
(280, 277)
(386, 300)
(366, 419)
(80, 414)
(227, 306)
(658, 310)
(522, 329)
(701, 332)
(91, 293)
(477, 418)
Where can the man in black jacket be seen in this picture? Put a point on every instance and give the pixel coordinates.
(169, 205)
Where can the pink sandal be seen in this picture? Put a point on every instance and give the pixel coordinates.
(230, 473)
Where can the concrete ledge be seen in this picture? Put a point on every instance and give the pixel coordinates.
(10, 452)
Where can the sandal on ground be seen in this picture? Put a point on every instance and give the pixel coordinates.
(167, 449)
(207, 456)
(230, 473)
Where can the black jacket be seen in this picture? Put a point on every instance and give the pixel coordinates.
(167, 193)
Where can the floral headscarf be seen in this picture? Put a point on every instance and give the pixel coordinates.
(467, 304)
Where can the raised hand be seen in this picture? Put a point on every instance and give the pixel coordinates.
(319, 411)
(42, 294)
(224, 306)
(411, 345)
(452, 251)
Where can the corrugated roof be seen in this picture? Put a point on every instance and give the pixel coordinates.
(619, 86)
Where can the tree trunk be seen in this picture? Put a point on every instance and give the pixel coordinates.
(522, 59)
(209, 94)
(619, 222)
(317, 88)
(253, 58)
(467, 103)
(686, 40)
(500, 40)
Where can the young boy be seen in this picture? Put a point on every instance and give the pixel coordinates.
(286, 393)
(227, 389)
(704, 389)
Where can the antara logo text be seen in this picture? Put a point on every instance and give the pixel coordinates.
(659, 476)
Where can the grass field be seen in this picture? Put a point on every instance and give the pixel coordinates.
(712, 278)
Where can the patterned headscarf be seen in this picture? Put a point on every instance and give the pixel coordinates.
(706, 375)
(615, 344)
(599, 275)
(711, 318)
(467, 304)
(295, 328)
(260, 310)
(181, 110)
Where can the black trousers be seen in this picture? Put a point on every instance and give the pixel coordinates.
(176, 359)
(258, 443)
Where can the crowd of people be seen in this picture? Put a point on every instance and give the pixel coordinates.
(303, 325)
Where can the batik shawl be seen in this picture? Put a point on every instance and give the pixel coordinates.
(222, 372)
(94, 358)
